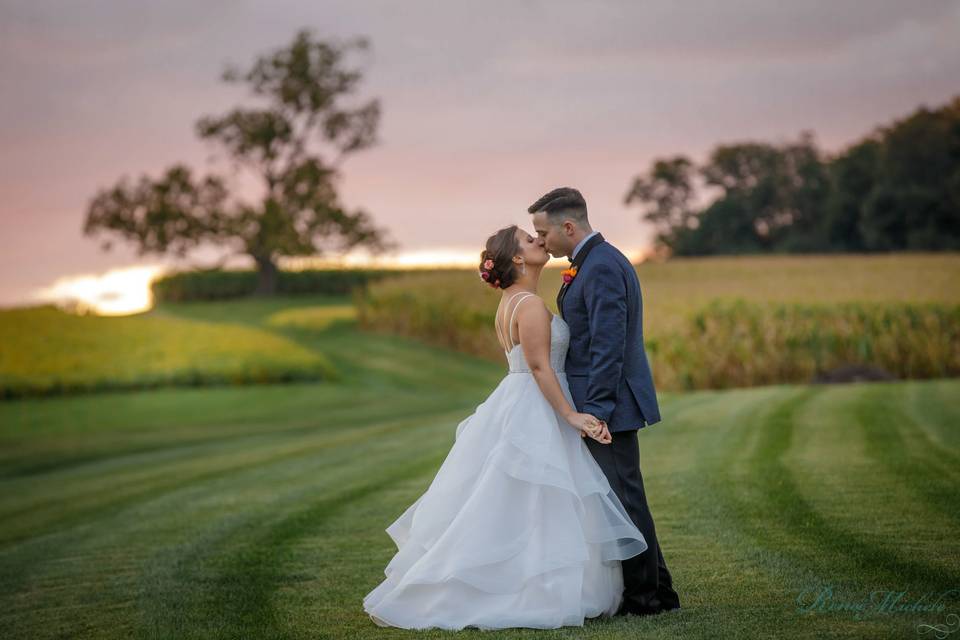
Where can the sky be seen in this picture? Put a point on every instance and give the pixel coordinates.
(485, 106)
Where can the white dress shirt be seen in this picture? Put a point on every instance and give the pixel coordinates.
(580, 244)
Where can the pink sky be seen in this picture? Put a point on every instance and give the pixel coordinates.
(485, 105)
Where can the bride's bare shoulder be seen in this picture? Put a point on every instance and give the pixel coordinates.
(534, 307)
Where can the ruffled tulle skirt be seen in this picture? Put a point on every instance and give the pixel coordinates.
(519, 527)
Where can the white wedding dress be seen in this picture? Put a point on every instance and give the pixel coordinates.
(519, 527)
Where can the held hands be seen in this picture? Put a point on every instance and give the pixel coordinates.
(603, 435)
(589, 425)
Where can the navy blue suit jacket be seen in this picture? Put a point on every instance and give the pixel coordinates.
(606, 364)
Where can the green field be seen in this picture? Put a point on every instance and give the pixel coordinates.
(729, 321)
(46, 351)
(674, 289)
(259, 511)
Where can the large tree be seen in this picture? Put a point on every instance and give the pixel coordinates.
(293, 145)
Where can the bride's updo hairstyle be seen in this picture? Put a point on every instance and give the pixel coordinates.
(497, 268)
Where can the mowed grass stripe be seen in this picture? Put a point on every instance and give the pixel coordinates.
(738, 565)
(897, 442)
(730, 586)
(64, 505)
(320, 458)
(721, 579)
(65, 483)
(117, 413)
(245, 591)
(775, 513)
(940, 399)
(405, 364)
(205, 516)
(938, 421)
(864, 497)
(237, 572)
(28, 454)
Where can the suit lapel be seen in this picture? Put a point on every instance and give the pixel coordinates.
(577, 261)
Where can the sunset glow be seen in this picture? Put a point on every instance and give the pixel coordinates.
(117, 292)
(126, 290)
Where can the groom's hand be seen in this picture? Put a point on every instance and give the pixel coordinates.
(588, 425)
(601, 434)
(604, 435)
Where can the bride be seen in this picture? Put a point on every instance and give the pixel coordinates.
(519, 527)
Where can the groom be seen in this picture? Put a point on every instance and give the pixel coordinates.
(608, 374)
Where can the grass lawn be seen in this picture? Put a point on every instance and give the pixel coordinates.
(259, 511)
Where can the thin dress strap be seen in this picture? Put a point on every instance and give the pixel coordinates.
(513, 315)
(500, 333)
(496, 324)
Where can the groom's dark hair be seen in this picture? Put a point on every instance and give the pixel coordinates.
(562, 202)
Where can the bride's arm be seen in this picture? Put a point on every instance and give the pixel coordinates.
(533, 322)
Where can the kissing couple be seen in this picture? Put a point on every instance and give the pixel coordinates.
(538, 516)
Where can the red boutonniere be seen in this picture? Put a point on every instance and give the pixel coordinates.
(569, 275)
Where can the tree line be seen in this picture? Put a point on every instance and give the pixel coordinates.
(897, 189)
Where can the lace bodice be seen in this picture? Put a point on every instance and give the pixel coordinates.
(559, 342)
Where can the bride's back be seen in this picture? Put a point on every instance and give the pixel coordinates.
(504, 323)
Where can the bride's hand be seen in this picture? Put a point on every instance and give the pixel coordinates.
(589, 425)
(601, 435)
